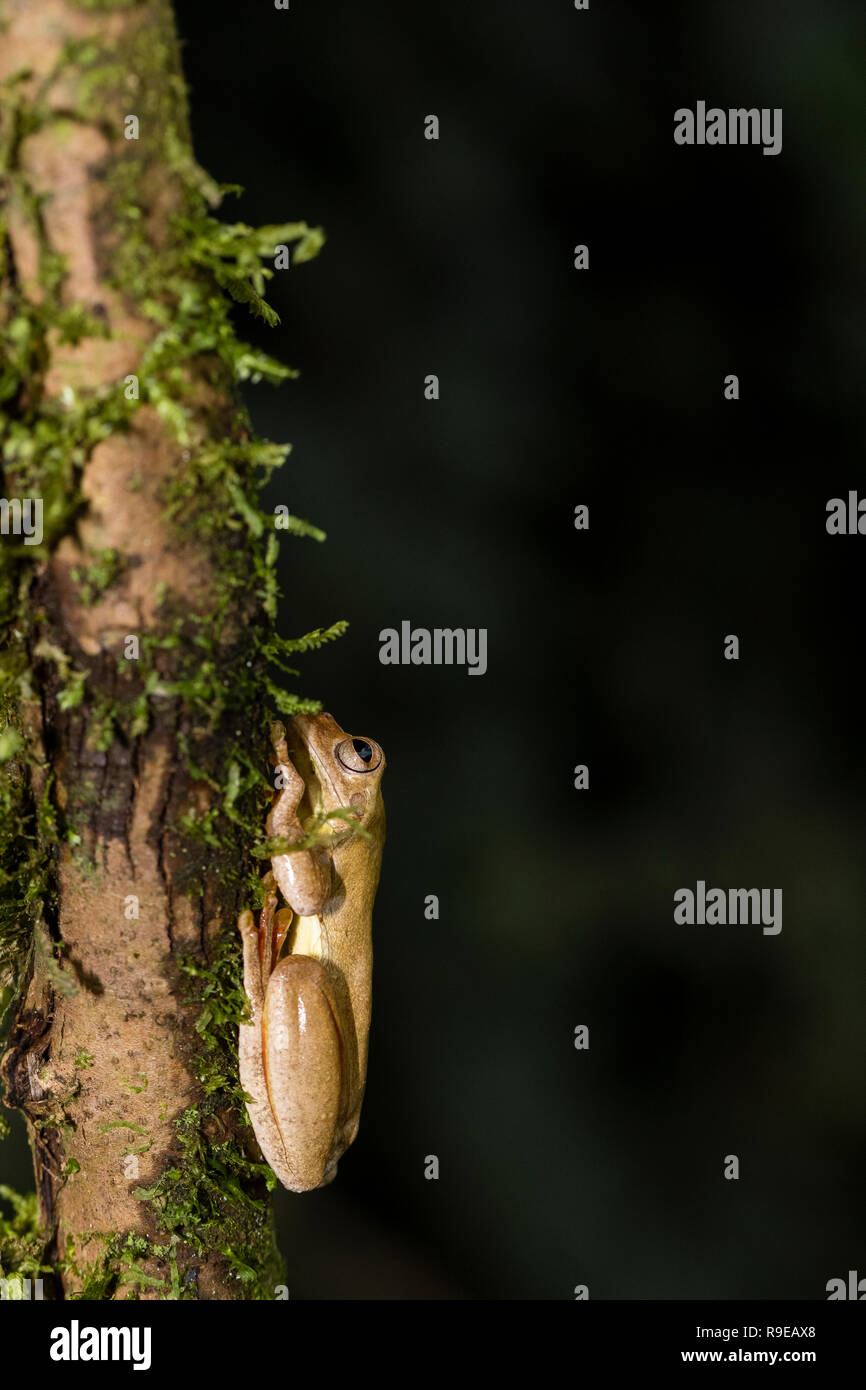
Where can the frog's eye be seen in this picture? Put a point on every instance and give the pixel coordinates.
(359, 754)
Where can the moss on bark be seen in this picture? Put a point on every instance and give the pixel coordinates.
(139, 662)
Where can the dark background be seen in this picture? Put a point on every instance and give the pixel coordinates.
(561, 1167)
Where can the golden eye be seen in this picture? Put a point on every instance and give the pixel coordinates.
(359, 754)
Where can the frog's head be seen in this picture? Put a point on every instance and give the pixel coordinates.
(338, 770)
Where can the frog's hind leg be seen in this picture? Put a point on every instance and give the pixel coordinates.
(304, 1062)
(251, 1041)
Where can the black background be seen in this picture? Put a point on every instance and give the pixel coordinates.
(707, 517)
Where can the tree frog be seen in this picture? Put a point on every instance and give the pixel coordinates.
(308, 966)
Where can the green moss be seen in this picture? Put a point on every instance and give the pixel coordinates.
(95, 578)
(26, 836)
(118, 1271)
(98, 1277)
(211, 1200)
(22, 1242)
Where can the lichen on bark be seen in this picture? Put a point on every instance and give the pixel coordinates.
(139, 661)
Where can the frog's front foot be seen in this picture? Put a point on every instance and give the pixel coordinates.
(303, 877)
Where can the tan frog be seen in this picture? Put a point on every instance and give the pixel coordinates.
(308, 967)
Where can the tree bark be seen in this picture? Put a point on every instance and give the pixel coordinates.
(137, 637)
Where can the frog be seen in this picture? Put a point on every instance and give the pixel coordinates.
(308, 964)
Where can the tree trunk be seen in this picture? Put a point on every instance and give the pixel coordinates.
(136, 643)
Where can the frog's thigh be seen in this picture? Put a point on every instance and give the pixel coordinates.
(302, 1065)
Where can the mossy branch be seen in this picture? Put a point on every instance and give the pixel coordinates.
(141, 366)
